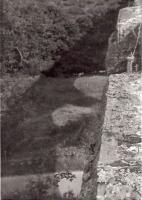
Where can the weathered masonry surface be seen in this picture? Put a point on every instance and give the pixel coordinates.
(126, 41)
(120, 161)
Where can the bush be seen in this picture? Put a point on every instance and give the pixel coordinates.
(41, 32)
(44, 31)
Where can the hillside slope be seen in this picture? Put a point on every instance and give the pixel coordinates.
(49, 115)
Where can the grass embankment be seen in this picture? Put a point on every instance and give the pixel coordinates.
(51, 117)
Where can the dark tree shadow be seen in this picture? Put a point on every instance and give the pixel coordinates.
(29, 133)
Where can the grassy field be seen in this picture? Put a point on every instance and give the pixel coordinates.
(50, 116)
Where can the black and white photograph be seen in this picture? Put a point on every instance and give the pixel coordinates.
(71, 99)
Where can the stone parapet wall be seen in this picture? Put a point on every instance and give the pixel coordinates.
(125, 41)
(119, 165)
(128, 20)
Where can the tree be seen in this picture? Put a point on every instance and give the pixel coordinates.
(43, 31)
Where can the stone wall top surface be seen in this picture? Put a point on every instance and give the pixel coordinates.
(119, 166)
(128, 20)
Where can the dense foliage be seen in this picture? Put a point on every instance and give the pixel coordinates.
(37, 33)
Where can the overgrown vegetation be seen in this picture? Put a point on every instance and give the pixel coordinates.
(38, 33)
(45, 188)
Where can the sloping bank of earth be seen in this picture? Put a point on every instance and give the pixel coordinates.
(50, 125)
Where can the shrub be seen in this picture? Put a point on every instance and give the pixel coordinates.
(41, 32)
(44, 31)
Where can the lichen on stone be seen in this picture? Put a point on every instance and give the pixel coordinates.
(119, 165)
